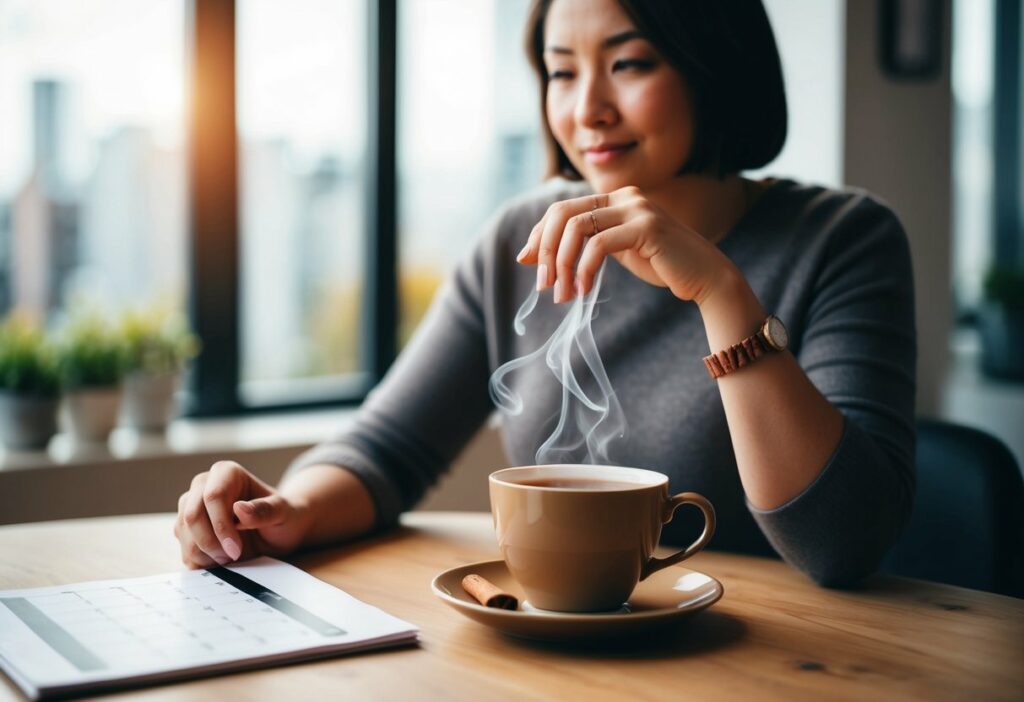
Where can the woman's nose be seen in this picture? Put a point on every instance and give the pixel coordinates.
(594, 105)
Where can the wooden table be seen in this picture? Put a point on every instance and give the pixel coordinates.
(774, 635)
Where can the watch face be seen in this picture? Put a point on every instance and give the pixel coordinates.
(776, 333)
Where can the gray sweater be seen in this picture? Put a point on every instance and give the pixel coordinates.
(834, 266)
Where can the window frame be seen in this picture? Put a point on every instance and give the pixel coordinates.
(214, 224)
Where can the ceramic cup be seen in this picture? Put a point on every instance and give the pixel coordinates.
(578, 538)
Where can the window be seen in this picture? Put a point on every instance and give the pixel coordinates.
(972, 83)
(292, 182)
(468, 133)
(302, 188)
(988, 190)
(92, 179)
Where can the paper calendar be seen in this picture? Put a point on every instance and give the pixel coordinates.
(106, 634)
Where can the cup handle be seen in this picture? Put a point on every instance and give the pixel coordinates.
(653, 564)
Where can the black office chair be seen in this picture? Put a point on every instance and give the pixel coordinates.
(967, 527)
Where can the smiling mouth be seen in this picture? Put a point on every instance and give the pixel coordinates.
(607, 154)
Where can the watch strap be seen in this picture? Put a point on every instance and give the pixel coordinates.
(736, 356)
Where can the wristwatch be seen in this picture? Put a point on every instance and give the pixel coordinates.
(772, 336)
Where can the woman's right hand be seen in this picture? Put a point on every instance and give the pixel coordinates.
(229, 514)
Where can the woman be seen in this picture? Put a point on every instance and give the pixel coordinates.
(652, 110)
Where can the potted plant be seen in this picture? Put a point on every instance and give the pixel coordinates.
(158, 346)
(29, 386)
(1001, 324)
(91, 361)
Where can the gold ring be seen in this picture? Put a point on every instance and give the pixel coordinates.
(593, 220)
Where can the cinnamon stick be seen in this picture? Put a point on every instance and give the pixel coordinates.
(487, 593)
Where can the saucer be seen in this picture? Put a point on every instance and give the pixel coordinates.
(662, 600)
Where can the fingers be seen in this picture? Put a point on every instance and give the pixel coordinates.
(529, 252)
(207, 511)
(197, 521)
(547, 246)
(555, 228)
(191, 555)
(607, 242)
(542, 246)
(208, 523)
(578, 230)
(262, 512)
(222, 488)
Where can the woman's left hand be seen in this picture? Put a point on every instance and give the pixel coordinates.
(636, 232)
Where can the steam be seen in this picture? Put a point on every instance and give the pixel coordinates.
(590, 419)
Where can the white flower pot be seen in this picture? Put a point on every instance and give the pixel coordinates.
(91, 413)
(26, 421)
(149, 400)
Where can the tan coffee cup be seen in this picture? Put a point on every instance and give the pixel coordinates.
(578, 538)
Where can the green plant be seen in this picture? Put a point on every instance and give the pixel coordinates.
(1005, 286)
(157, 340)
(90, 353)
(28, 363)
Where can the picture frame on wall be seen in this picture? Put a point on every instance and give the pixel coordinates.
(910, 38)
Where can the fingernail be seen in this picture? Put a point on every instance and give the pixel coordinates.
(542, 276)
(222, 560)
(558, 290)
(521, 254)
(231, 548)
(579, 288)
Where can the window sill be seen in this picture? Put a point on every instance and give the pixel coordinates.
(134, 473)
(186, 437)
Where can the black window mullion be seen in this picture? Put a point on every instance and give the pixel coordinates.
(380, 301)
(213, 207)
(1009, 213)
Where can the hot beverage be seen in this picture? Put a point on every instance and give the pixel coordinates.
(580, 484)
(578, 538)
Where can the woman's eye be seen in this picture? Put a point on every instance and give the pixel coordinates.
(639, 64)
(558, 75)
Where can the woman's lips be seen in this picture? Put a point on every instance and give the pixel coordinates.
(606, 154)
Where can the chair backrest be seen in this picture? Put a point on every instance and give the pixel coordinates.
(967, 526)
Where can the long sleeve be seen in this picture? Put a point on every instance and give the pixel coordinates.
(858, 348)
(833, 265)
(430, 403)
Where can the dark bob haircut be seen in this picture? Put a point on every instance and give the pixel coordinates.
(726, 51)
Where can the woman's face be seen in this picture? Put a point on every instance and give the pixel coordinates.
(620, 112)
